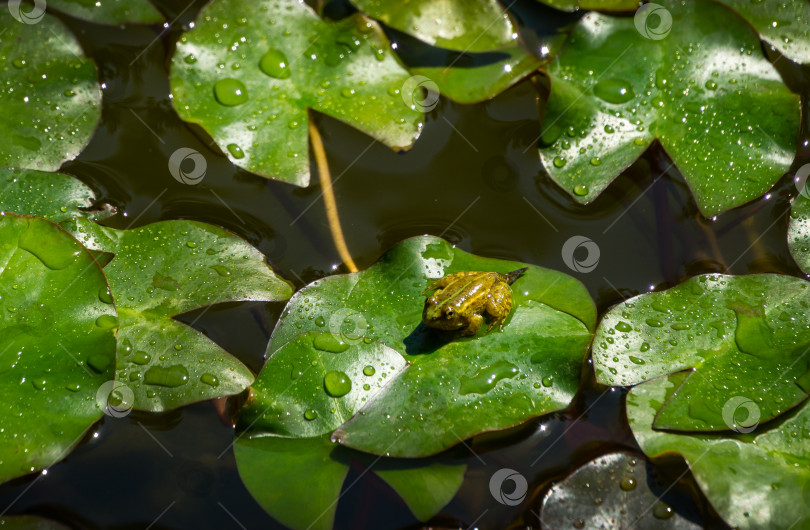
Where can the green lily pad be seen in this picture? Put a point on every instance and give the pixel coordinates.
(110, 11)
(598, 5)
(799, 231)
(276, 65)
(617, 490)
(744, 337)
(54, 196)
(489, 75)
(158, 271)
(452, 389)
(469, 25)
(51, 101)
(785, 25)
(58, 343)
(165, 269)
(703, 90)
(754, 480)
(299, 480)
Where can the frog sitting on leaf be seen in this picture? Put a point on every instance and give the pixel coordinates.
(463, 298)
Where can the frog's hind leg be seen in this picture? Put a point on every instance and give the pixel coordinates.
(499, 305)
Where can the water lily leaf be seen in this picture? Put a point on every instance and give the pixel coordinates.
(784, 25)
(599, 5)
(319, 467)
(294, 479)
(469, 26)
(799, 231)
(51, 101)
(58, 343)
(489, 75)
(110, 11)
(287, 61)
(613, 491)
(453, 389)
(54, 196)
(706, 92)
(758, 479)
(743, 336)
(160, 271)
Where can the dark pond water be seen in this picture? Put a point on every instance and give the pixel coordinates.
(474, 178)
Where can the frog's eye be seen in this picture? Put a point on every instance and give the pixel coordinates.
(449, 311)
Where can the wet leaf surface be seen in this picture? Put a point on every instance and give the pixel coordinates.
(785, 25)
(469, 25)
(369, 325)
(250, 81)
(706, 92)
(600, 5)
(58, 344)
(51, 101)
(744, 337)
(799, 230)
(754, 479)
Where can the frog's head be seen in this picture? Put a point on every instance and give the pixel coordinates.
(442, 316)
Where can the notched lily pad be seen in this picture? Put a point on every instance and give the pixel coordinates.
(110, 11)
(617, 490)
(706, 92)
(468, 25)
(743, 337)
(56, 197)
(757, 478)
(51, 100)
(453, 389)
(799, 230)
(58, 343)
(165, 269)
(785, 25)
(249, 81)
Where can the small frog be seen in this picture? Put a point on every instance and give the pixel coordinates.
(463, 298)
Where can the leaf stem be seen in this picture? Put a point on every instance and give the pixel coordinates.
(329, 197)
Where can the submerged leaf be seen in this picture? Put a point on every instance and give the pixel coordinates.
(467, 25)
(616, 490)
(250, 82)
(717, 106)
(743, 337)
(58, 343)
(755, 480)
(51, 100)
(110, 11)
